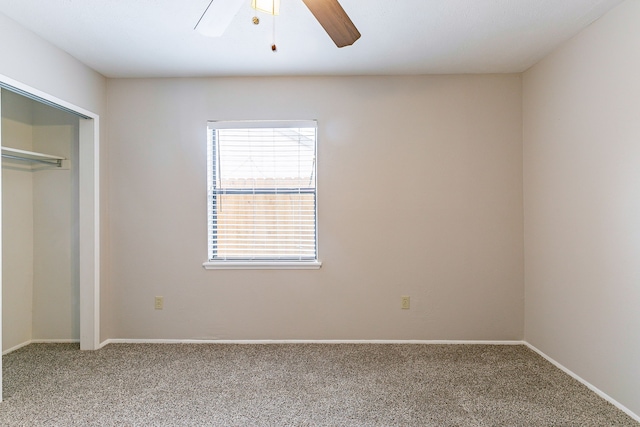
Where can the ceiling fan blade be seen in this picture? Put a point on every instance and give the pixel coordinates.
(334, 20)
(217, 17)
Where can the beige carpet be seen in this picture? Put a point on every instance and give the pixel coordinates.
(294, 385)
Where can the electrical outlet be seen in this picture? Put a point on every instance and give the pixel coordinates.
(405, 302)
(159, 303)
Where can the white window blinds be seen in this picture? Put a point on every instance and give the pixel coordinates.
(262, 191)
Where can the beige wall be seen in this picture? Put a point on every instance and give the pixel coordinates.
(582, 204)
(56, 289)
(17, 220)
(420, 194)
(33, 61)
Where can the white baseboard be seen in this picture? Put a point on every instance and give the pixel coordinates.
(16, 347)
(213, 341)
(590, 386)
(40, 341)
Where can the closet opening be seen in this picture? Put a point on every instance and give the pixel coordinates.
(41, 284)
(49, 261)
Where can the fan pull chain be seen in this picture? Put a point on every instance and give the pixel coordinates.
(274, 48)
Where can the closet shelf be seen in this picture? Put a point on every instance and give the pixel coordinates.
(32, 156)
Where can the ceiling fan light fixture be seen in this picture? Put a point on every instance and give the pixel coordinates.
(272, 7)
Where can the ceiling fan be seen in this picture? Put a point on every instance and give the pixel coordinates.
(335, 21)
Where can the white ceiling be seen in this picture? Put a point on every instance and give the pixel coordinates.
(156, 38)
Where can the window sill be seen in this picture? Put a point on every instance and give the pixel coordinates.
(262, 265)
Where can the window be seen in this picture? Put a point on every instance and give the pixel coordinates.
(262, 195)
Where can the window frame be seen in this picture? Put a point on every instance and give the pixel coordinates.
(284, 263)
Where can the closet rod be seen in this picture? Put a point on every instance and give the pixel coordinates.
(53, 162)
(31, 156)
